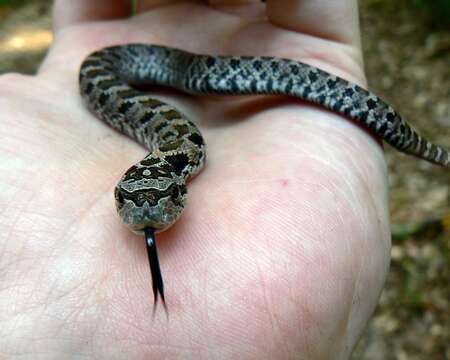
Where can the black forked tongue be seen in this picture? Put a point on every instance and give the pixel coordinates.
(158, 285)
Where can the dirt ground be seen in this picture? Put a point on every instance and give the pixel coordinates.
(407, 60)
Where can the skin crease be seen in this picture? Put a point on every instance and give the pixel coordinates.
(283, 249)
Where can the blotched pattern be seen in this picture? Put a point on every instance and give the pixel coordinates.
(152, 193)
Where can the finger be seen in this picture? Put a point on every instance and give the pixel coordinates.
(330, 19)
(246, 8)
(67, 12)
(233, 2)
(145, 5)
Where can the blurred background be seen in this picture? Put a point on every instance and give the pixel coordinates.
(407, 57)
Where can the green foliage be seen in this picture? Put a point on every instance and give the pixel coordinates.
(134, 4)
(11, 3)
(438, 3)
(411, 292)
(439, 9)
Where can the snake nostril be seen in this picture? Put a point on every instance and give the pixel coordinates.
(175, 193)
(120, 197)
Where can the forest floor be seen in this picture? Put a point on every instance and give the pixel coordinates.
(407, 59)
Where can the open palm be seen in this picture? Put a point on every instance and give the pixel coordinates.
(283, 248)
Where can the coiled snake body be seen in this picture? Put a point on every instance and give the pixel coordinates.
(152, 193)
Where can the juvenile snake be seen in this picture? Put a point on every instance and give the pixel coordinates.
(152, 193)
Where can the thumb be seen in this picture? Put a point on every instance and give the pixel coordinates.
(67, 12)
(329, 19)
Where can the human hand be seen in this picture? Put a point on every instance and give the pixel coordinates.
(284, 245)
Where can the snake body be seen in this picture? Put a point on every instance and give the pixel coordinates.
(152, 193)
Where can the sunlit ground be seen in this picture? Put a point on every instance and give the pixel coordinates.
(27, 40)
(25, 35)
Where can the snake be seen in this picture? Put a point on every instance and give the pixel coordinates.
(151, 195)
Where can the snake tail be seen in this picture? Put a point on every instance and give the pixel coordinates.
(230, 75)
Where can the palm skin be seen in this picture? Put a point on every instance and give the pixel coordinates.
(283, 247)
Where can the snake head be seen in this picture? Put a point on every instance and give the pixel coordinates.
(150, 195)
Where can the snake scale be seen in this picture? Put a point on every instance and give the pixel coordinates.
(151, 195)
